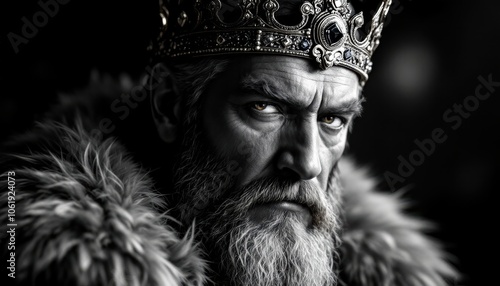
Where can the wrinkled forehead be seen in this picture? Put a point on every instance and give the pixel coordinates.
(286, 72)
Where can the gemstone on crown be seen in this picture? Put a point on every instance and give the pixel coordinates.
(333, 34)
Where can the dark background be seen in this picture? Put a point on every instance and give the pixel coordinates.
(431, 56)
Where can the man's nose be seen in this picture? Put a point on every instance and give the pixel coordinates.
(300, 151)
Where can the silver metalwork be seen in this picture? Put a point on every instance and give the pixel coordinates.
(326, 32)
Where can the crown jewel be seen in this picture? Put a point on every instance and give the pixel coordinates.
(327, 31)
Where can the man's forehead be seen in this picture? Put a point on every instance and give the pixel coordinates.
(269, 65)
(294, 75)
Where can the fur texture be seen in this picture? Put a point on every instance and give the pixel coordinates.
(88, 215)
(381, 244)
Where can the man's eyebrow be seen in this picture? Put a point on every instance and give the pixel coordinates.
(261, 86)
(352, 107)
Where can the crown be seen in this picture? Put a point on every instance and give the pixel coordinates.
(325, 31)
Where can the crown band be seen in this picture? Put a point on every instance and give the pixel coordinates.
(326, 33)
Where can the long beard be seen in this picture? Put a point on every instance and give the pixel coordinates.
(280, 251)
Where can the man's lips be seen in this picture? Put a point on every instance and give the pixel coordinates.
(268, 211)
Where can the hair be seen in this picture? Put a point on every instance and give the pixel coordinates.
(192, 78)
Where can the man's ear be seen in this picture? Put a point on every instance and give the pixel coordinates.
(165, 102)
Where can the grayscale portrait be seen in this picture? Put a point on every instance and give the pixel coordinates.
(248, 142)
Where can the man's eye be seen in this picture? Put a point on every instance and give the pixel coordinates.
(333, 121)
(264, 107)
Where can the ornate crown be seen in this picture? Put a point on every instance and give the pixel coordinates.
(327, 31)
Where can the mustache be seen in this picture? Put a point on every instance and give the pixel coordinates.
(238, 201)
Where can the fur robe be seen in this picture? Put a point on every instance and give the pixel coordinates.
(87, 214)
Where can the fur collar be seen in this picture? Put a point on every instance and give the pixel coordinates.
(381, 244)
(90, 216)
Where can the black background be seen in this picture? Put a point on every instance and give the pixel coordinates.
(431, 56)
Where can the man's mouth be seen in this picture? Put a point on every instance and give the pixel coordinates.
(268, 211)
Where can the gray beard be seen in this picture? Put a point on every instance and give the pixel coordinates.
(282, 251)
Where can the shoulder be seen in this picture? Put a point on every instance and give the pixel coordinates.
(85, 206)
(382, 244)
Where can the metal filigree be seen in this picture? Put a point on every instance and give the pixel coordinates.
(326, 32)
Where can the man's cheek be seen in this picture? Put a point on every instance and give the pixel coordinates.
(253, 156)
(248, 145)
(336, 150)
(232, 136)
(247, 150)
(334, 141)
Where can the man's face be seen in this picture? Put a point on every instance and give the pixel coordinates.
(280, 116)
(257, 172)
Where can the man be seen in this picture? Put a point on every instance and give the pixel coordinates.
(253, 100)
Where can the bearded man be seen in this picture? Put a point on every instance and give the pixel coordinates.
(254, 100)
